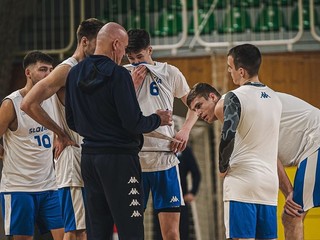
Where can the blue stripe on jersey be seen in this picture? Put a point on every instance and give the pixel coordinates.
(299, 183)
(316, 192)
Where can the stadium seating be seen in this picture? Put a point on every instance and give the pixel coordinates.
(169, 24)
(306, 18)
(209, 27)
(236, 20)
(270, 19)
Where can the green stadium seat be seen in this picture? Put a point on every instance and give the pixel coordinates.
(279, 2)
(137, 20)
(250, 3)
(236, 20)
(271, 18)
(306, 18)
(169, 24)
(209, 27)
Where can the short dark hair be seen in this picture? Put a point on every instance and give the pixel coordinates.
(201, 90)
(34, 57)
(89, 28)
(139, 39)
(246, 56)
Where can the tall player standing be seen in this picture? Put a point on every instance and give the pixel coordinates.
(68, 171)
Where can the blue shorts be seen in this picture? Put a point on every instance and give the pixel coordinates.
(21, 210)
(306, 190)
(73, 211)
(165, 188)
(248, 220)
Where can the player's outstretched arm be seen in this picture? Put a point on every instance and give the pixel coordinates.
(183, 135)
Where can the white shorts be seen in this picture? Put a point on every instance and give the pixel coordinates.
(73, 209)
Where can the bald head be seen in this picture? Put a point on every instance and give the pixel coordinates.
(112, 41)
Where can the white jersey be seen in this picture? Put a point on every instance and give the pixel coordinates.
(68, 169)
(162, 84)
(299, 130)
(252, 176)
(28, 158)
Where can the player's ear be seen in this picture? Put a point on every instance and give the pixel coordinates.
(212, 96)
(84, 41)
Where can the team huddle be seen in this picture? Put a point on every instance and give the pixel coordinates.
(77, 157)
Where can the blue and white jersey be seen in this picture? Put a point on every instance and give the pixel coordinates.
(68, 170)
(28, 157)
(252, 176)
(299, 130)
(162, 84)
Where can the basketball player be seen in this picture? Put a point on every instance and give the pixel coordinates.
(157, 84)
(28, 186)
(248, 148)
(68, 171)
(299, 143)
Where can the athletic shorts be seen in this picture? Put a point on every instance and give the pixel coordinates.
(306, 190)
(73, 211)
(248, 220)
(165, 188)
(21, 210)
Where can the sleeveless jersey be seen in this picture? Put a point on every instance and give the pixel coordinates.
(28, 158)
(68, 169)
(252, 176)
(299, 130)
(162, 84)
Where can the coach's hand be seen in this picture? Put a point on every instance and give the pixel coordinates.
(165, 116)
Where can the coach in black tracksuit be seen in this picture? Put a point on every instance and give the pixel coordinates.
(101, 106)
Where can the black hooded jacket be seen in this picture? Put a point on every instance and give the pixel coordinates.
(101, 105)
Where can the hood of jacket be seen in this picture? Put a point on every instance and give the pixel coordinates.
(94, 71)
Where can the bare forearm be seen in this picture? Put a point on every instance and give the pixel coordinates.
(36, 112)
(284, 182)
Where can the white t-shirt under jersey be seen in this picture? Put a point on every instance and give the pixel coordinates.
(299, 130)
(252, 176)
(162, 84)
(68, 168)
(27, 160)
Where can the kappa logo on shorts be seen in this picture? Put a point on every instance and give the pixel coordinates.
(134, 203)
(174, 199)
(133, 180)
(136, 213)
(133, 191)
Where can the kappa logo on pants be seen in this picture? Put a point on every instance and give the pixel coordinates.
(133, 191)
(134, 202)
(136, 213)
(133, 180)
